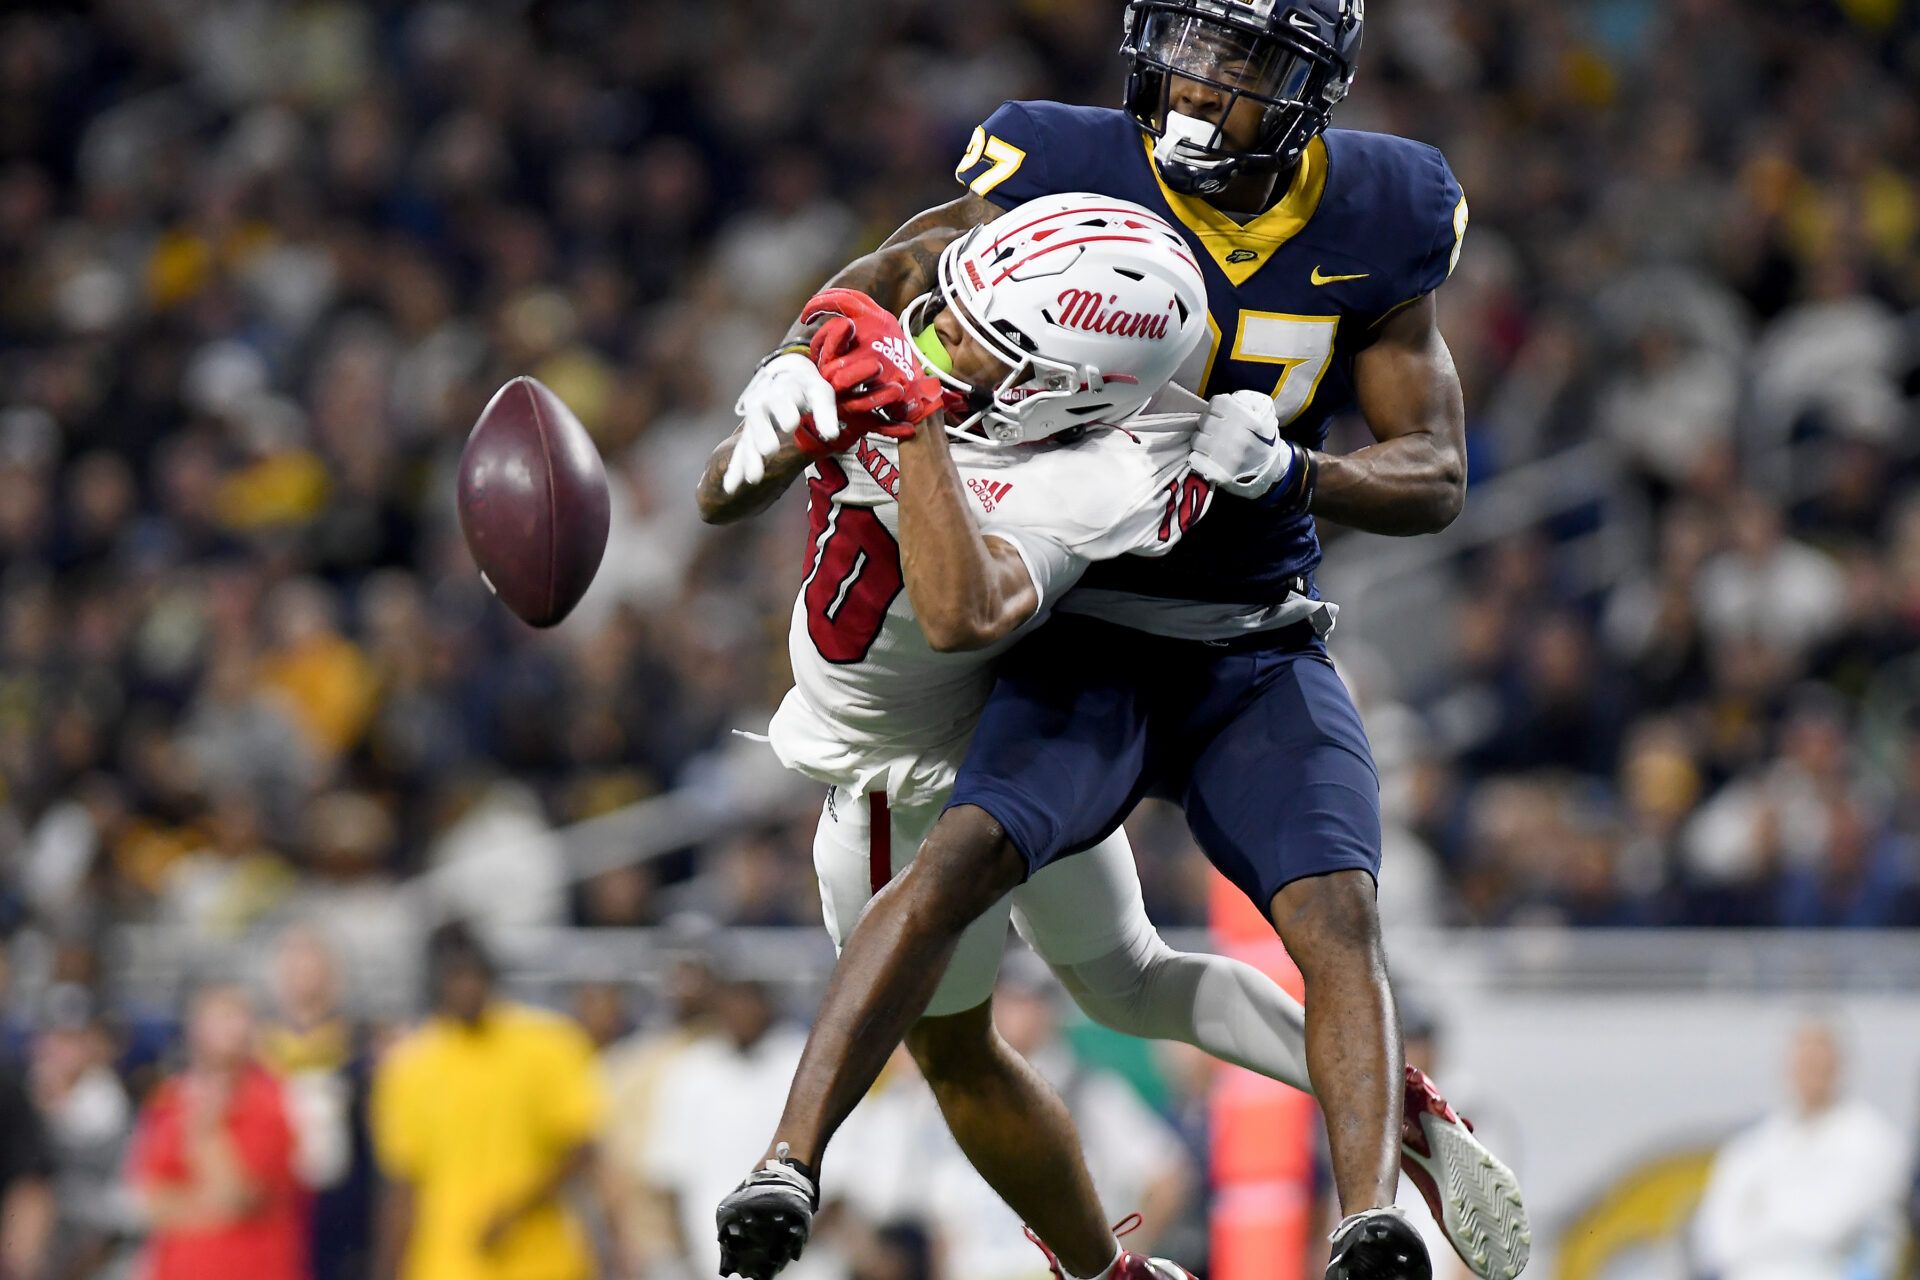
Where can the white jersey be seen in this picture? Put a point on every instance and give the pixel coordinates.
(874, 707)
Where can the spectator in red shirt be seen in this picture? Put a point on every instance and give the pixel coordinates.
(213, 1159)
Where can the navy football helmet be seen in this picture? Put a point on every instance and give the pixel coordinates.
(1295, 58)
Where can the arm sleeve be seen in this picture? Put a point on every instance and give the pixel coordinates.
(1053, 567)
(1006, 159)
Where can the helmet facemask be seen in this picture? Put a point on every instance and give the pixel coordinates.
(1291, 76)
(1024, 406)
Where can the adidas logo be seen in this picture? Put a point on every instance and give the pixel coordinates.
(990, 492)
(900, 353)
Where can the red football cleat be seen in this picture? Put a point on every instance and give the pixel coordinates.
(1128, 1266)
(1474, 1198)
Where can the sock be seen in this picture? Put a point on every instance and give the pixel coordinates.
(1105, 1271)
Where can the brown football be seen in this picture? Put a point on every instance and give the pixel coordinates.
(533, 502)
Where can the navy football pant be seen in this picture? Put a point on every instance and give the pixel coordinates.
(1257, 740)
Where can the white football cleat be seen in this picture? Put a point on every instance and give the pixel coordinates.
(1474, 1197)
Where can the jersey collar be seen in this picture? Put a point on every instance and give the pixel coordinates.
(1242, 249)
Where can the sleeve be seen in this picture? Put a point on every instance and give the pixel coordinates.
(1165, 509)
(1006, 160)
(1722, 1231)
(574, 1100)
(146, 1154)
(399, 1140)
(266, 1149)
(28, 1154)
(673, 1137)
(1438, 215)
(1053, 566)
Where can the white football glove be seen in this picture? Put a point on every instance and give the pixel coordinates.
(780, 393)
(1239, 448)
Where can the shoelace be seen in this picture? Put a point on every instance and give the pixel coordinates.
(1354, 1219)
(1126, 1226)
(782, 1169)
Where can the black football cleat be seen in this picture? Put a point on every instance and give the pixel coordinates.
(1379, 1244)
(766, 1221)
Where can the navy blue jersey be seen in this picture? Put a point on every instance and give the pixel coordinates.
(1369, 222)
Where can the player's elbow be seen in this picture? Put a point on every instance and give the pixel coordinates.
(957, 634)
(1444, 494)
(1449, 498)
(964, 626)
(717, 506)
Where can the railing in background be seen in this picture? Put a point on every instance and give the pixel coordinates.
(151, 964)
(1395, 594)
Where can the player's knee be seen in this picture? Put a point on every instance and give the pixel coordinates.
(1114, 990)
(954, 1052)
(1332, 918)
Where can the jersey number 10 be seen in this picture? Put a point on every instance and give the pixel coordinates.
(853, 570)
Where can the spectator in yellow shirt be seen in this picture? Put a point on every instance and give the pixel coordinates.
(481, 1118)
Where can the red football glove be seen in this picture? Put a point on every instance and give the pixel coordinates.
(875, 372)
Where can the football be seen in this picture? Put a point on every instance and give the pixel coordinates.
(533, 502)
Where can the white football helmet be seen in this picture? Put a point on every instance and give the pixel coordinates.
(1093, 301)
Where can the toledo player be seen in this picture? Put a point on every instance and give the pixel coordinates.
(1202, 674)
(927, 557)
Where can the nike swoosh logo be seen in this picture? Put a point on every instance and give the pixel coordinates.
(1266, 440)
(1317, 278)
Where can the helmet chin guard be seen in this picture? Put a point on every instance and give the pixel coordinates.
(1091, 303)
(1290, 61)
(1187, 162)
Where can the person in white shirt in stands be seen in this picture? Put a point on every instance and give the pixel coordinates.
(712, 1105)
(1812, 1191)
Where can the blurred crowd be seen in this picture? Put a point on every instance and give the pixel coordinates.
(262, 263)
(284, 1136)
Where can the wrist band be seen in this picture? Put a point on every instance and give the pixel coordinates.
(1302, 499)
(791, 349)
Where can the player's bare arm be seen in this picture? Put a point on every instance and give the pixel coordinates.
(717, 506)
(902, 268)
(786, 388)
(1414, 479)
(968, 588)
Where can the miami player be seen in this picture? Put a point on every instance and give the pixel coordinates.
(1202, 674)
(1054, 330)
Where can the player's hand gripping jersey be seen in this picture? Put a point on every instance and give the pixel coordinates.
(1368, 223)
(874, 707)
